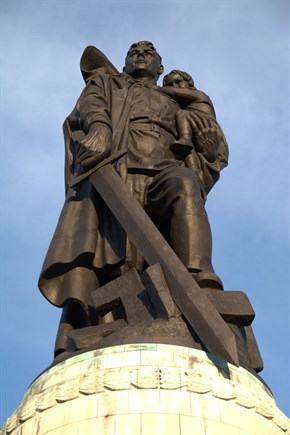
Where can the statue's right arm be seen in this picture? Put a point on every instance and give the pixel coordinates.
(94, 119)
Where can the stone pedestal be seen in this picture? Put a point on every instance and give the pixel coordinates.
(147, 389)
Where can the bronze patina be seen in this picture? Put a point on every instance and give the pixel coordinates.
(140, 161)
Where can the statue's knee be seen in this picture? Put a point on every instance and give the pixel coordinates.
(189, 186)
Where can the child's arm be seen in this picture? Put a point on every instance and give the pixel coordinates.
(190, 99)
(182, 95)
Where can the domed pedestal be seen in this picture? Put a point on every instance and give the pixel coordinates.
(147, 389)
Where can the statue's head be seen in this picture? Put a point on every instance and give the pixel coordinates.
(143, 61)
(178, 79)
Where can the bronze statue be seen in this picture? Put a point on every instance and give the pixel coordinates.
(174, 150)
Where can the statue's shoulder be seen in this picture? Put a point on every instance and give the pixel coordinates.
(108, 83)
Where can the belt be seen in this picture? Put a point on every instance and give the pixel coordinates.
(147, 127)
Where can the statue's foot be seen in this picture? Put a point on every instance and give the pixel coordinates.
(208, 280)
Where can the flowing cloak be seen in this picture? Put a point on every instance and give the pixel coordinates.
(88, 240)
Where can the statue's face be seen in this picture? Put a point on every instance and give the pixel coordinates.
(142, 61)
(176, 81)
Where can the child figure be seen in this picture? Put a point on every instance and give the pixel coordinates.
(180, 86)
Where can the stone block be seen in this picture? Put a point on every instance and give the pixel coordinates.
(84, 408)
(181, 359)
(159, 357)
(157, 424)
(175, 402)
(191, 426)
(128, 424)
(70, 429)
(212, 427)
(56, 417)
(144, 401)
(32, 426)
(113, 403)
(205, 406)
(124, 359)
(162, 396)
(141, 346)
(97, 426)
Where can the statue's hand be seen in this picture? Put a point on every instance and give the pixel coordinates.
(95, 146)
(206, 135)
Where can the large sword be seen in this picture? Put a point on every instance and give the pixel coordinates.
(200, 313)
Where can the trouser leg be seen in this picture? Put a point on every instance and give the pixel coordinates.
(175, 194)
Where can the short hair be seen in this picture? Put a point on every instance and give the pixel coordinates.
(148, 43)
(186, 77)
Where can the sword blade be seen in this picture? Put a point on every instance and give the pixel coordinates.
(201, 314)
(111, 159)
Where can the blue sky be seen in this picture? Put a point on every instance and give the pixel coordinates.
(237, 52)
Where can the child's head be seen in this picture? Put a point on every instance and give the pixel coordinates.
(178, 79)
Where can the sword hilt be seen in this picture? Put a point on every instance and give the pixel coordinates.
(111, 159)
